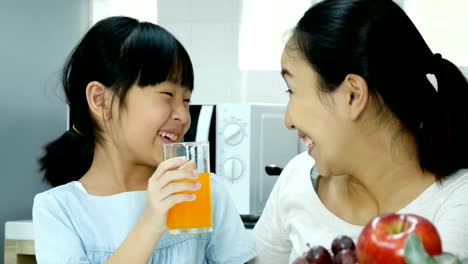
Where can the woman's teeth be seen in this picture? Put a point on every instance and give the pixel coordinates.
(170, 136)
(308, 142)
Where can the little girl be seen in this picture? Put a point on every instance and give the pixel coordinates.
(128, 85)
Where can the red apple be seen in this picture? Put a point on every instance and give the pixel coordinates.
(383, 239)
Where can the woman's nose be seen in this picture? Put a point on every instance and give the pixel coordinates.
(287, 119)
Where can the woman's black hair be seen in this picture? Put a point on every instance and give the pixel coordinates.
(117, 52)
(377, 40)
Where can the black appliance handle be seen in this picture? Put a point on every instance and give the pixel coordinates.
(273, 170)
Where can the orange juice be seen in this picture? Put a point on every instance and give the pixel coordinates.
(194, 216)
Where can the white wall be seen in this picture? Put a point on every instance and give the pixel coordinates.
(212, 31)
(208, 30)
(444, 26)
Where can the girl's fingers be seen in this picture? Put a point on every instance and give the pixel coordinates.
(190, 165)
(170, 164)
(179, 198)
(178, 187)
(175, 175)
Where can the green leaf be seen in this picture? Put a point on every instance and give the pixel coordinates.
(415, 253)
(446, 258)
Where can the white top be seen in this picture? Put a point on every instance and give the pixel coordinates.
(295, 216)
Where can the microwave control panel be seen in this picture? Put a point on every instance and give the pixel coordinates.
(251, 137)
(233, 151)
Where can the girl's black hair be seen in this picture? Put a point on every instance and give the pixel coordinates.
(117, 52)
(376, 40)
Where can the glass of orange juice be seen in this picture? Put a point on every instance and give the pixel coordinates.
(193, 217)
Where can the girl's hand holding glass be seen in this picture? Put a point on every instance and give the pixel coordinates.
(165, 189)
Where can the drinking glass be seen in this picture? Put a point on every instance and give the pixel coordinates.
(192, 217)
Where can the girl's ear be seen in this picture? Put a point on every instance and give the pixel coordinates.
(99, 100)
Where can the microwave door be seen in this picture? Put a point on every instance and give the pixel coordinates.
(277, 145)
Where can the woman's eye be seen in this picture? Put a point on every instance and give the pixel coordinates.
(167, 93)
(289, 91)
(187, 101)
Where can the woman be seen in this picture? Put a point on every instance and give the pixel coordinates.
(384, 139)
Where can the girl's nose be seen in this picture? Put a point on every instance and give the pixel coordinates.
(181, 113)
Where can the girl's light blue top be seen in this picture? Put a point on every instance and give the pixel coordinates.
(71, 226)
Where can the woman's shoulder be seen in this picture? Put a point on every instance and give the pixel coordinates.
(298, 169)
(456, 180)
(461, 174)
(450, 190)
(301, 158)
(302, 163)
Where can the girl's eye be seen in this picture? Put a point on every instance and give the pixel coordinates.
(187, 101)
(167, 93)
(288, 91)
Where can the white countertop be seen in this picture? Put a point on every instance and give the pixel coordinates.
(19, 230)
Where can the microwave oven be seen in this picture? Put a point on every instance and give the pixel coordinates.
(249, 146)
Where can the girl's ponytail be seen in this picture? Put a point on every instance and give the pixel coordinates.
(68, 158)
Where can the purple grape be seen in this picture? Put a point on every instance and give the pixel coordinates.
(300, 260)
(342, 242)
(346, 256)
(318, 255)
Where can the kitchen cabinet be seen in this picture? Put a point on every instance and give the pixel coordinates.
(19, 243)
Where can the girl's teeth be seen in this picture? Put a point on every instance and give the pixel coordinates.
(172, 137)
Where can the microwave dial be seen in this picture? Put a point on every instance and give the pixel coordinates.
(232, 169)
(233, 134)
